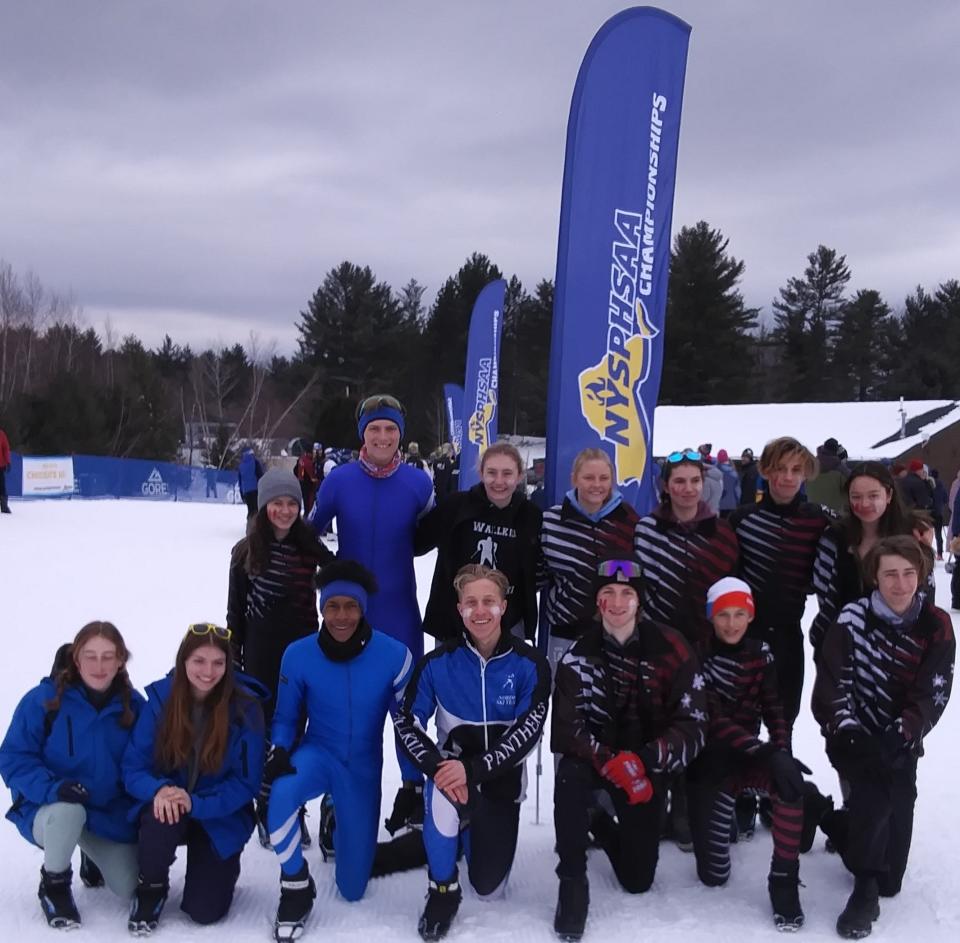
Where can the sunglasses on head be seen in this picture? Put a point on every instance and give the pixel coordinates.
(372, 403)
(628, 569)
(687, 455)
(208, 628)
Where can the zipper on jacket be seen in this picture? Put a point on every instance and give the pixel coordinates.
(483, 699)
(70, 735)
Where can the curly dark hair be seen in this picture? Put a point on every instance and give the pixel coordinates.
(347, 570)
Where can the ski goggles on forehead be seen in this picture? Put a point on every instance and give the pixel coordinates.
(372, 403)
(628, 569)
(208, 628)
(687, 455)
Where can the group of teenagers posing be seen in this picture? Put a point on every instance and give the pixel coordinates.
(670, 639)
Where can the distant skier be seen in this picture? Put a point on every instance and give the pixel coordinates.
(249, 472)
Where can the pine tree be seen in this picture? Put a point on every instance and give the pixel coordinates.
(806, 315)
(708, 348)
(863, 345)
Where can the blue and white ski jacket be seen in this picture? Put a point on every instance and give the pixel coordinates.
(489, 713)
(376, 522)
(221, 802)
(77, 743)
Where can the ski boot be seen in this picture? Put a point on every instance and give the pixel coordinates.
(297, 892)
(407, 809)
(783, 885)
(573, 902)
(815, 807)
(443, 901)
(863, 907)
(90, 874)
(56, 899)
(328, 824)
(146, 907)
(745, 816)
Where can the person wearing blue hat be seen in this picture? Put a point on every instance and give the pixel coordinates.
(345, 679)
(377, 502)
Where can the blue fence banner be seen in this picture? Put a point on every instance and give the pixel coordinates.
(613, 255)
(482, 378)
(453, 402)
(96, 476)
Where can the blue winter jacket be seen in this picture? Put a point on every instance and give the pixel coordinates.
(489, 713)
(376, 522)
(222, 802)
(730, 499)
(249, 472)
(78, 743)
(346, 702)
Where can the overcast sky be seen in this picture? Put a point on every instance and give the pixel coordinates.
(196, 166)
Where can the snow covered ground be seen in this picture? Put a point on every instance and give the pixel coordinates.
(152, 568)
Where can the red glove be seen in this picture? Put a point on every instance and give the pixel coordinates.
(626, 770)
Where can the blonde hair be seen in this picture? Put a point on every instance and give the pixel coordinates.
(473, 572)
(776, 450)
(592, 455)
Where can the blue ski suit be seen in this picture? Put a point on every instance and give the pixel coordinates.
(341, 754)
(376, 522)
(77, 743)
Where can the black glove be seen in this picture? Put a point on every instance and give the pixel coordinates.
(73, 792)
(407, 808)
(786, 773)
(894, 749)
(278, 764)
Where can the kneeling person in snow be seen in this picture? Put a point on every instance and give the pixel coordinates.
(61, 759)
(194, 762)
(742, 690)
(345, 679)
(490, 692)
(883, 680)
(629, 713)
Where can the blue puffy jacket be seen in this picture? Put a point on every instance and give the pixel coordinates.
(77, 743)
(222, 802)
(489, 713)
(346, 702)
(376, 522)
(730, 499)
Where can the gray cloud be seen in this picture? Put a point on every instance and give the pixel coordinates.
(197, 168)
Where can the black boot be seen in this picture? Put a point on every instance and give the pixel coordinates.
(305, 840)
(815, 807)
(56, 899)
(862, 909)
(745, 815)
(263, 833)
(328, 823)
(783, 885)
(765, 811)
(403, 853)
(296, 901)
(90, 874)
(443, 902)
(407, 808)
(835, 824)
(679, 820)
(146, 907)
(573, 902)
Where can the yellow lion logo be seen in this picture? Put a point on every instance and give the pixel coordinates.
(478, 427)
(610, 396)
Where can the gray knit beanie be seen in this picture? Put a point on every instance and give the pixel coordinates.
(278, 483)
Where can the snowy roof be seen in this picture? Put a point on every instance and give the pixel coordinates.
(865, 430)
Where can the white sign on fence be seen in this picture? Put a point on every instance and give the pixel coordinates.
(47, 476)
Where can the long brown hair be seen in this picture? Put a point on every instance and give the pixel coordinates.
(253, 552)
(176, 733)
(69, 674)
(895, 519)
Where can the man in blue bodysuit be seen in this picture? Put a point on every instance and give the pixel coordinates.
(346, 678)
(377, 502)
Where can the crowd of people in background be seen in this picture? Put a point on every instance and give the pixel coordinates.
(661, 646)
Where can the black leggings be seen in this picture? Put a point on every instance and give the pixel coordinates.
(632, 847)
